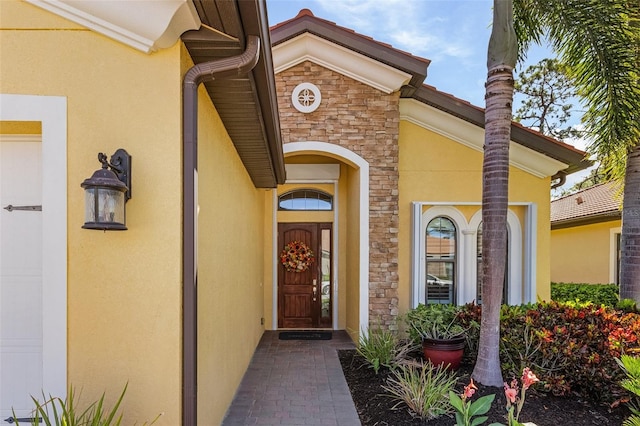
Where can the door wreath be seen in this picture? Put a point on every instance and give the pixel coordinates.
(296, 257)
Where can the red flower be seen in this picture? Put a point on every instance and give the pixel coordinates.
(511, 392)
(469, 390)
(528, 378)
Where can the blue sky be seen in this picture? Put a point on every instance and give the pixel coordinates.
(453, 34)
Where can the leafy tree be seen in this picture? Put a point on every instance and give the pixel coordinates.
(548, 92)
(595, 177)
(595, 39)
(604, 68)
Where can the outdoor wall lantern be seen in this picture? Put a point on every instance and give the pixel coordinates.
(107, 191)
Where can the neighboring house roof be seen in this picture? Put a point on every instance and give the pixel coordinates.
(246, 104)
(592, 205)
(416, 68)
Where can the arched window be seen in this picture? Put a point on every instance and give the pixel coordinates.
(440, 250)
(505, 286)
(305, 200)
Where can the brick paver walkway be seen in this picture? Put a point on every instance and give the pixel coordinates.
(294, 382)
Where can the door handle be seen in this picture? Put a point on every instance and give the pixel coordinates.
(315, 290)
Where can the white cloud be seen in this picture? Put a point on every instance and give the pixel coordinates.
(424, 28)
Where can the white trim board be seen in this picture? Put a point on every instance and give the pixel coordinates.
(309, 47)
(51, 111)
(521, 248)
(143, 25)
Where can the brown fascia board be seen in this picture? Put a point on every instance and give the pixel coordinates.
(254, 20)
(233, 21)
(526, 137)
(305, 22)
(587, 220)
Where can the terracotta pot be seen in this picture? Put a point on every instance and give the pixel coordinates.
(446, 352)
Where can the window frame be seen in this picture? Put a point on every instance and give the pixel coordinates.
(319, 194)
(453, 262)
(522, 251)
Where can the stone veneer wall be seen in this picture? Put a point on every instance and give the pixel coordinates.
(365, 121)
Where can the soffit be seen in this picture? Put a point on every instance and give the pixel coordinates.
(247, 104)
(143, 25)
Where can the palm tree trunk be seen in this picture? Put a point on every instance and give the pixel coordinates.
(495, 188)
(630, 239)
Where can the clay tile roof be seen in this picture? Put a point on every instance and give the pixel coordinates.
(306, 21)
(596, 204)
(308, 14)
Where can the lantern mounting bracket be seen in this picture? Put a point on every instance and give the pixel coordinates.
(120, 164)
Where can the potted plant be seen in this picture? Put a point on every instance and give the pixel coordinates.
(443, 337)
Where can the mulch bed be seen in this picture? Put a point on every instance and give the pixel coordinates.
(375, 408)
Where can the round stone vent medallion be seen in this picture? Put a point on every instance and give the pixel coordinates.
(306, 97)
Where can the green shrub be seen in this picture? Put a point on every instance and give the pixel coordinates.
(436, 321)
(631, 366)
(56, 412)
(423, 388)
(627, 305)
(598, 294)
(381, 348)
(571, 347)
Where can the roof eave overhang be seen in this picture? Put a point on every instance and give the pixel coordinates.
(587, 220)
(144, 25)
(472, 135)
(247, 105)
(572, 159)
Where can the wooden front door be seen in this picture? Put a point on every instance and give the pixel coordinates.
(304, 297)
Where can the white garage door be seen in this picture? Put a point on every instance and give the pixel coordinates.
(21, 325)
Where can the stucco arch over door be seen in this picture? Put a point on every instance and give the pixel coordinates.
(362, 166)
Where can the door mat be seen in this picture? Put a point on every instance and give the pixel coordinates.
(305, 335)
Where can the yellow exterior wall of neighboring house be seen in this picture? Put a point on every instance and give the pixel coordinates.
(230, 257)
(584, 254)
(434, 168)
(123, 288)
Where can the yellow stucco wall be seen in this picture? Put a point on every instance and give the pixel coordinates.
(230, 274)
(20, 128)
(584, 254)
(434, 168)
(123, 287)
